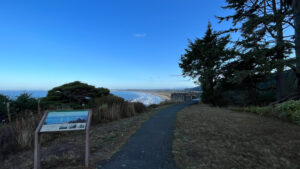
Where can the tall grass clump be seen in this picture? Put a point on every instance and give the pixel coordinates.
(110, 108)
(18, 135)
(7, 141)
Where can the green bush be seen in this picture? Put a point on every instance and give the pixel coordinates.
(295, 117)
(25, 103)
(258, 110)
(289, 110)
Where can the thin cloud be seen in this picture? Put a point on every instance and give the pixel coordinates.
(139, 35)
(176, 75)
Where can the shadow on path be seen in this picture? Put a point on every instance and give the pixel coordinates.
(151, 146)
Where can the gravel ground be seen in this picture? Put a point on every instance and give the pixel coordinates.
(213, 138)
(151, 146)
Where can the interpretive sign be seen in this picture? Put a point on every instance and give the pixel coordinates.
(65, 120)
(57, 121)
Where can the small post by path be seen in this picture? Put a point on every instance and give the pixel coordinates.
(87, 132)
(8, 111)
(39, 106)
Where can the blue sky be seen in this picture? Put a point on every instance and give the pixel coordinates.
(116, 44)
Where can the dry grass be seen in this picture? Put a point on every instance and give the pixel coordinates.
(110, 108)
(19, 135)
(66, 150)
(213, 138)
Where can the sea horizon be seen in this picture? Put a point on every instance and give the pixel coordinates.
(132, 95)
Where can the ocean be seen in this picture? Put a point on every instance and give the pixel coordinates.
(131, 96)
(142, 97)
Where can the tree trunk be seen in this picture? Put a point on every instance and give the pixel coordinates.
(295, 95)
(279, 48)
(296, 7)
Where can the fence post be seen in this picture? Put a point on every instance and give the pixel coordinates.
(8, 111)
(39, 106)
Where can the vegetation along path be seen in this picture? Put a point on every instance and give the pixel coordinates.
(151, 146)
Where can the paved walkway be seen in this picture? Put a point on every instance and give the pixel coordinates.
(151, 146)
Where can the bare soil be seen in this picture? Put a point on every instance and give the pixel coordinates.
(68, 149)
(210, 138)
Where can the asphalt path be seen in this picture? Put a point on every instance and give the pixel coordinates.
(151, 146)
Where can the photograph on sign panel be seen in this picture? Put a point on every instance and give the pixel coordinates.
(65, 120)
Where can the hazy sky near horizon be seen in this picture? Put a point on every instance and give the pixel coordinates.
(118, 44)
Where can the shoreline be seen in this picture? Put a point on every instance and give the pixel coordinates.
(163, 95)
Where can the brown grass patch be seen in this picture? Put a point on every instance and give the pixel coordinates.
(211, 138)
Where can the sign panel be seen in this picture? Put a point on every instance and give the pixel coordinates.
(65, 121)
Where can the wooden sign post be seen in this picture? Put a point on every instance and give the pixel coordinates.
(62, 121)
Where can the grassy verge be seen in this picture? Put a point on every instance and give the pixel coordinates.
(66, 150)
(288, 111)
(212, 138)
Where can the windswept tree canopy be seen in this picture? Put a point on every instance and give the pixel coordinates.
(204, 60)
(74, 93)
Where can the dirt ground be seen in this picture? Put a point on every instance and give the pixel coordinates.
(211, 138)
(67, 150)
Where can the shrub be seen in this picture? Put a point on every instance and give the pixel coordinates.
(295, 117)
(139, 107)
(25, 103)
(289, 110)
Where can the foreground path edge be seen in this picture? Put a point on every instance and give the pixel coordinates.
(151, 146)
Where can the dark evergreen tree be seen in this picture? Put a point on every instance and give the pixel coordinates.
(252, 64)
(204, 60)
(295, 6)
(267, 20)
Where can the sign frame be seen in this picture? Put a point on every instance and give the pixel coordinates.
(37, 134)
